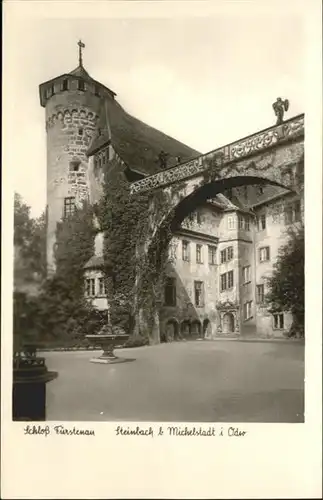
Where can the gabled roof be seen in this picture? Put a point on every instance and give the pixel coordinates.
(94, 262)
(137, 144)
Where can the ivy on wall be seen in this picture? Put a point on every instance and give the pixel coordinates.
(135, 275)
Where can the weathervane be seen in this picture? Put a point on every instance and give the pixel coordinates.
(280, 107)
(81, 46)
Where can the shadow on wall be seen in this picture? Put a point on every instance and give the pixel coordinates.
(180, 319)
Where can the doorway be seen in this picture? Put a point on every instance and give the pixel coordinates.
(228, 323)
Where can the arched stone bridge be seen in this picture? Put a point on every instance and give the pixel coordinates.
(272, 156)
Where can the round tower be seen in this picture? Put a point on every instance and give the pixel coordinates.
(72, 102)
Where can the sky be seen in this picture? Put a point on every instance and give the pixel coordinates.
(205, 80)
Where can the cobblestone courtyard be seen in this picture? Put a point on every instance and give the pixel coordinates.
(202, 381)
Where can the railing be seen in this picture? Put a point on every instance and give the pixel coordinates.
(250, 145)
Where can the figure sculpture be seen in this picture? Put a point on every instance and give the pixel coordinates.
(280, 106)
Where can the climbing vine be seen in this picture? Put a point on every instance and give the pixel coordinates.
(135, 274)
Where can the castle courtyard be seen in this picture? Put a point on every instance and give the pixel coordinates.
(197, 381)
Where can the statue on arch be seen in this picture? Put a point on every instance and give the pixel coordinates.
(280, 106)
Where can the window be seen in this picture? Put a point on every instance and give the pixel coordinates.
(231, 222)
(289, 214)
(247, 310)
(81, 85)
(198, 293)
(199, 217)
(170, 292)
(230, 279)
(199, 258)
(261, 220)
(241, 222)
(278, 321)
(247, 224)
(90, 287)
(97, 91)
(101, 286)
(65, 85)
(80, 131)
(185, 251)
(226, 254)
(264, 254)
(52, 90)
(75, 165)
(212, 255)
(260, 294)
(226, 281)
(69, 206)
(293, 213)
(246, 272)
(260, 190)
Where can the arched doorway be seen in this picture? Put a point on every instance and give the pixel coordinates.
(207, 328)
(196, 329)
(185, 329)
(228, 323)
(171, 333)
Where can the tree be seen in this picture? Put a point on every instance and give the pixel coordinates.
(286, 285)
(29, 243)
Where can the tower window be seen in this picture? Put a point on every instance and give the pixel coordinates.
(81, 85)
(264, 254)
(247, 310)
(69, 206)
(65, 85)
(212, 255)
(260, 294)
(75, 165)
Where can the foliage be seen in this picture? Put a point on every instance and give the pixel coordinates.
(286, 285)
(29, 242)
(125, 221)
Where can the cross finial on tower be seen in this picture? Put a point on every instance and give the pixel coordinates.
(81, 46)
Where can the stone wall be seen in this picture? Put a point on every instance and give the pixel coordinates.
(71, 119)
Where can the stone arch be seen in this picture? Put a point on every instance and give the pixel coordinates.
(182, 201)
(185, 329)
(196, 329)
(207, 328)
(228, 323)
(171, 330)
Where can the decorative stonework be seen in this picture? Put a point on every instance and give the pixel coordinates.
(228, 307)
(259, 142)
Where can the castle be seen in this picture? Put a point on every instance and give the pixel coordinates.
(223, 250)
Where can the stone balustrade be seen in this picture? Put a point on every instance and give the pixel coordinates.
(253, 144)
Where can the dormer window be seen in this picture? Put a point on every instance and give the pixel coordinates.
(81, 85)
